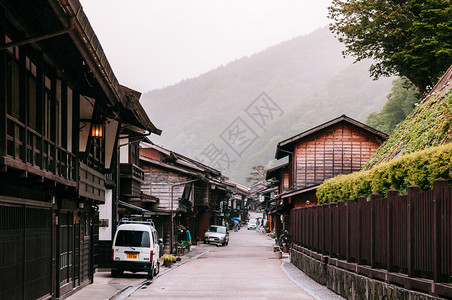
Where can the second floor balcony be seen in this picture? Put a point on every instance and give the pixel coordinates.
(131, 178)
(31, 152)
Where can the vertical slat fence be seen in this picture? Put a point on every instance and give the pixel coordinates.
(353, 223)
(399, 233)
(343, 230)
(404, 234)
(446, 232)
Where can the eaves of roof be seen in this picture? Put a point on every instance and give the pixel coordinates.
(271, 173)
(300, 191)
(86, 40)
(168, 166)
(199, 164)
(280, 152)
(269, 190)
(180, 159)
(135, 113)
(131, 207)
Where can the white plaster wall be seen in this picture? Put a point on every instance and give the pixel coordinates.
(105, 212)
(123, 151)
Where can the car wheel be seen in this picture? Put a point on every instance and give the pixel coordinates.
(157, 270)
(224, 243)
(151, 273)
(116, 272)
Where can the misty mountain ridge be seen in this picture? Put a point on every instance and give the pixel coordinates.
(307, 78)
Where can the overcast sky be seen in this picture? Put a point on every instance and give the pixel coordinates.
(152, 44)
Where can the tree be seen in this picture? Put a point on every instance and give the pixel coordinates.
(411, 38)
(401, 101)
(257, 175)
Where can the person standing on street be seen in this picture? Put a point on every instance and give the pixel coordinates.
(188, 238)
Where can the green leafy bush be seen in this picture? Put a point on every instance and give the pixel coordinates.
(168, 257)
(417, 168)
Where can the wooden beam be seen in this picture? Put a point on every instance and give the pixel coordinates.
(3, 120)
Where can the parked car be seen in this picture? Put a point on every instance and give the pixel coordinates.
(217, 235)
(135, 248)
(252, 224)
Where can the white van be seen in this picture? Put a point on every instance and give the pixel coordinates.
(135, 248)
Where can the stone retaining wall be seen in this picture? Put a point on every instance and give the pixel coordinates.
(351, 285)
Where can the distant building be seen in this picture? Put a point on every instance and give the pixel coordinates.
(340, 146)
(238, 204)
(177, 191)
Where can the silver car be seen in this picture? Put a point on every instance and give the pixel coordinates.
(252, 224)
(217, 235)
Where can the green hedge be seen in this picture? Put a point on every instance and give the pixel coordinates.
(417, 168)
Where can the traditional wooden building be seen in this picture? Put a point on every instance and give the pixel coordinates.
(123, 183)
(255, 196)
(61, 110)
(239, 201)
(179, 191)
(340, 146)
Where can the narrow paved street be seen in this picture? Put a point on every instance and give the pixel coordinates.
(247, 268)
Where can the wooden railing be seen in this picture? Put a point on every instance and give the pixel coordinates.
(91, 183)
(404, 240)
(27, 147)
(131, 178)
(131, 171)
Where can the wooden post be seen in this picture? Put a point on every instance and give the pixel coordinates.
(412, 190)
(318, 233)
(309, 227)
(361, 201)
(350, 202)
(24, 111)
(330, 207)
(341, 236)
(301, 227)
(391, 194)
(322, 232)
(439, 185)
(373, 200)
(3, 119)
(338, 228)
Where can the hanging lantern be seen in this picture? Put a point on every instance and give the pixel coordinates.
(97, 130)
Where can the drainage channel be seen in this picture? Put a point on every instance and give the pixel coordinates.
(133, 289)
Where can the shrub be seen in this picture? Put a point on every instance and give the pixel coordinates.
(417, 168)
(169, 257)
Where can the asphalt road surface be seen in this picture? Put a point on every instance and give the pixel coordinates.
(247, 268)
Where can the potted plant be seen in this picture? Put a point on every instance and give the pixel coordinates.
(267, 227)
(277, 251)
(168, 260)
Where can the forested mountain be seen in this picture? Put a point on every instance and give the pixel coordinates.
(222, 118)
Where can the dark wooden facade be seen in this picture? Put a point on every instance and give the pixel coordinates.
(55, 82)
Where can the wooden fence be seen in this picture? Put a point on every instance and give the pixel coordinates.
(405, 240)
